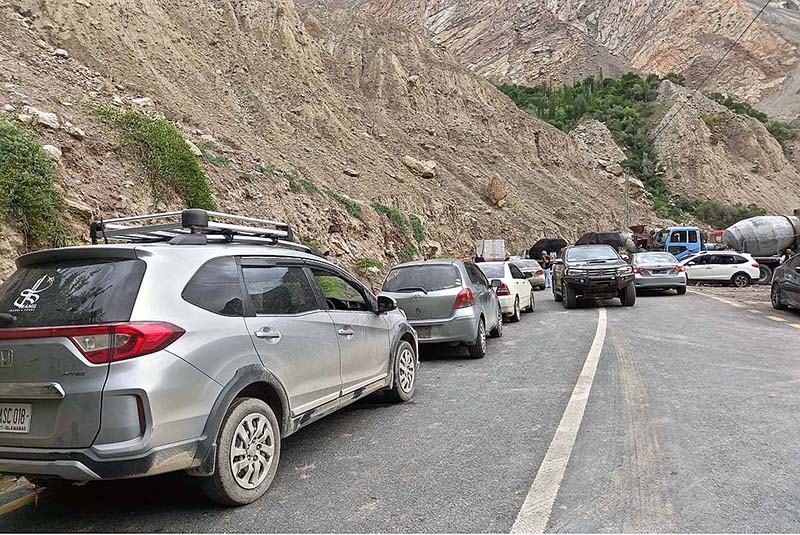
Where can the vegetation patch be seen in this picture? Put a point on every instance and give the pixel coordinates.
(364, 263)
(353, 208)
(417, 229)
(395, 216)
(28, 198)
(720, 215)
(781, 131)
(711, 119)
(407, 253)
(213, 158)
(169, 163)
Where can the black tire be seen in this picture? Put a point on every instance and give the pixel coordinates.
(530, 308)
(405, 363)
(477, 349)
(515, 316)
(222, 487)
(570, 296)
(497, 332)
(775, 297)
(628, 295)
(681, 290)
(741, 280)
(557, 297)
(764, 274)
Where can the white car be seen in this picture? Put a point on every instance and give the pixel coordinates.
(533, 272)
(513, 290)
(738, 269)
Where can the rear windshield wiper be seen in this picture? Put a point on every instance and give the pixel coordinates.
(413, 289)
(7, 319)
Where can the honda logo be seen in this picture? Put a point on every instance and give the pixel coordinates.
(6, 358)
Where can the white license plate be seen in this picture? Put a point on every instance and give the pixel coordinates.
(15, 417)
(423, 332)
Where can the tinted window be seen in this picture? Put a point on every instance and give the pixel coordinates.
(279, 290)
(82, 292)
(654, 258)
(528, 265)
(591, 252)
(216, 288)
(515, 272)
(430, 277)
(476, 276)
(739, 260)
(678, 236)
(340, 294)
(493, 271)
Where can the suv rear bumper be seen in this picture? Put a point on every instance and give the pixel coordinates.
(86, 464)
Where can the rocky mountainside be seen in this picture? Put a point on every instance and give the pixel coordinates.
(310, 121)
(541, 41)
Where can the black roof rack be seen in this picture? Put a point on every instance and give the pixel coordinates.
(194, 227)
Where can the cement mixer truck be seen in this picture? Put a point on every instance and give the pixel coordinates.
(765, 238)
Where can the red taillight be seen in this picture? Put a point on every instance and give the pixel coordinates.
(756, 265)
(540, 272)
(503, 289)
(464, 299)
(638, 270)
(679, 269)
(107, 343)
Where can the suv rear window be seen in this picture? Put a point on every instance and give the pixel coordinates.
(431, 278)
(76, 292)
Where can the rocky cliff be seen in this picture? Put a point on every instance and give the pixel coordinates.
(305, 120)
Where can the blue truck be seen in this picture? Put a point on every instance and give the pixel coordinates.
(682, 242)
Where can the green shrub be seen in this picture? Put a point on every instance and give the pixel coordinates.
(781, 131)
(214, 159)
(353, 208)
(720, 215)
(28, 198)
(407, 253)
(395, 216)
(168, 161)
(309, 186)
(364, 263)
(416, 228)
(711, 119)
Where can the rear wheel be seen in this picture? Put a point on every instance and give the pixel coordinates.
(775, 297)
(681, 290)
(628, 295)
(405, 374)
(515, 316)
(741, 280)
(247, 456)
(570, 296)
(764, 274)
(532, 304)
(477, 350)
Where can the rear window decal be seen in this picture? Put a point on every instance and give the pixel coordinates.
(29, 298)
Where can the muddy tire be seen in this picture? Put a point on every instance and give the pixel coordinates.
(477, 349)
(248, 451)
(405, 374)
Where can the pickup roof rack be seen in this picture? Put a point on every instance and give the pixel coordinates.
(194, 227)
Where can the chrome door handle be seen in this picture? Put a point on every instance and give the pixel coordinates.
(346, 332)
(268, 334)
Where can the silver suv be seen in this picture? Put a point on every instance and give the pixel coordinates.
(447, 301)
(195, 344)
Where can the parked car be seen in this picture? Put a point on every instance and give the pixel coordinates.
(446, 301)
(198, 353)
(533, 272)
(658, 270)
(592, 272)
(786, 284)
(738, 269)
(512, 288)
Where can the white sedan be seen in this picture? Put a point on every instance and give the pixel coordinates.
(738, 269)
(513, 290)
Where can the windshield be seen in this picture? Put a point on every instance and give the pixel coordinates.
(528, 264)
(493, 271)
(591, 252)
(83, 292)
(431, 277)
(654, 258)
(660, 238)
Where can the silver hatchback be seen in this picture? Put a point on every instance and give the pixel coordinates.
(446, 301)
(196, 344)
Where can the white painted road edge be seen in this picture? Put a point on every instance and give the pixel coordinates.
(535, 511)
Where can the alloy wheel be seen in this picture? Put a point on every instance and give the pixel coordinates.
(482, 336)
(406, 371)
(740, 281)
(252, 450)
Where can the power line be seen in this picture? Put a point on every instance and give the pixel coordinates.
(712, 70)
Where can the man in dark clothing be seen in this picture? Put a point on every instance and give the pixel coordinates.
(547, 265)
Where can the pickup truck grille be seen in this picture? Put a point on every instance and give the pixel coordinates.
(602, 272)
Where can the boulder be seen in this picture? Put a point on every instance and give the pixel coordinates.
(60, 53)
(52, 151)
(615, 169)
(351, 172)
(423, 168)
(496, 190)
(44, 118)
(74, 131)
(194, 148)
(142, 101)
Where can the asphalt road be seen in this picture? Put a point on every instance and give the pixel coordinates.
(691, 425)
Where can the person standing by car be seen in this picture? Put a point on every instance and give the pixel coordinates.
(547, 265)
(787, 254)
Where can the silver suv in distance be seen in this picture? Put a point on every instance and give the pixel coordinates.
(446, 301)
(195, 344)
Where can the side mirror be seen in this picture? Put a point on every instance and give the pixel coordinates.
(691, 263)
(496, 283)
(626, 258)
(386, 304)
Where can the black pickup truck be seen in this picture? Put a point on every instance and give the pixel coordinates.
(592, 272)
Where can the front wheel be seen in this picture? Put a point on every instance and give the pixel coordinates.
(570, 296)
(628, 295)
(405, 374)
(247, 456)
(557, 297)
(477, 349)
(775, 297)
(515, 316)
(741, 280)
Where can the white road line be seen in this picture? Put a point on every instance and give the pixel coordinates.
(720, 299)
(535, 511)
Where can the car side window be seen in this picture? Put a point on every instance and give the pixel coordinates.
(739, 260)
(279, 290)
(340, 294)
(216, 287)
(476, 276)
(515, 272)
(692, 236)
(699, 261)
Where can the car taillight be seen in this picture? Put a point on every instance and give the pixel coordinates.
(503, 289)
(679, 269)
(638, 270)
(756, 265)
(464, 299)
(107, 343)
(540, 272)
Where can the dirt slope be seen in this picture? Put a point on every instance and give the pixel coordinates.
(340, 99)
